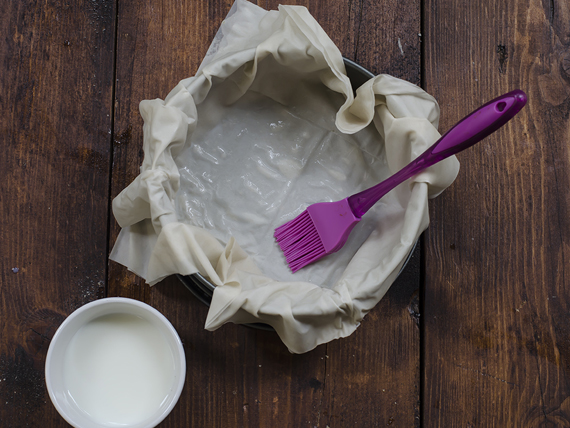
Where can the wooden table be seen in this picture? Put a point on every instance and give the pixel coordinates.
(475, 333)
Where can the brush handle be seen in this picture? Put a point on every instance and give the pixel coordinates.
(470, 130)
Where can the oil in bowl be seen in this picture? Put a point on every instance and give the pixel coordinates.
(115, 362)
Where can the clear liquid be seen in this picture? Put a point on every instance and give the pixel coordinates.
(119, 369)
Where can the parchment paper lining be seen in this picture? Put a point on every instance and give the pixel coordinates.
(283, 55)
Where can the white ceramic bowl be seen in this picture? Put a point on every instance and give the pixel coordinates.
(54, 368)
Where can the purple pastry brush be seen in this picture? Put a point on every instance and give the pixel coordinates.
(323, 228)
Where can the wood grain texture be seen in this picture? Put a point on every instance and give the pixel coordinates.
(157, 46)
(497, 342)
(55, 101)
(373, 376)
(243, 377)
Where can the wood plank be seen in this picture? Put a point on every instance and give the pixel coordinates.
(238, 376)
(56, 73)
(497, 298)
(373, 377)
(158, 45)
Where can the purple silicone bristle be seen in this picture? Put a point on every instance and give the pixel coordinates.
(300, 241)
(319, 230)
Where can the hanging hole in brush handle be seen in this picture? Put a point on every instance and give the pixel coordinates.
(470, 130)
(478, 125)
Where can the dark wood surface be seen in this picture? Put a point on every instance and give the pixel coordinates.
(496, 308)
(473, 334)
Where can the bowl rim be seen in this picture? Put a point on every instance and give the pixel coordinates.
(153, 420)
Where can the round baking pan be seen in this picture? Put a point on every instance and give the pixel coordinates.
(200, 286)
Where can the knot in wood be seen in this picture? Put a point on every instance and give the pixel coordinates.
(503, 56)
(565, 64)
